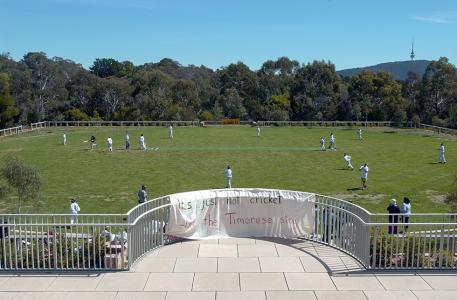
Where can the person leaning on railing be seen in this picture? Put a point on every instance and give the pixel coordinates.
(328, 218)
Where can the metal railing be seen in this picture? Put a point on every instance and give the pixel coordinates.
(11, 131)
(63, 242)
(117, 241)
(147, 232)
(342, 225)
(142, 208)
(387, 241)
(37, 219)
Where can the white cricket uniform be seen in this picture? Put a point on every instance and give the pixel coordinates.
(360, 134)
(348, 159)
(332, 142)
(74, 210)
(64, 138)
(364, 172)
(170, 132)
(364, 176)
(322, 144)
(442, 158)
(228, 174)
(127, 141)
(142, 143)
(110, 144)
(258, 131)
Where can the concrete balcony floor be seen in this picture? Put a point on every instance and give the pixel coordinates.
(237, 268)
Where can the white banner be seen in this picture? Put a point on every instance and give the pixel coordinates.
(241, 213)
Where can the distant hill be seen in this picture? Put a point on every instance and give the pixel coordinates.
(399, 69)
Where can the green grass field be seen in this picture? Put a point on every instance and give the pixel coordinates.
(402, 163)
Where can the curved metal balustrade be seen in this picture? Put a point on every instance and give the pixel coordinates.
(117, 241)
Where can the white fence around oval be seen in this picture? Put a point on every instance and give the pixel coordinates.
(11, 131)
(97, 242)
(45, 124)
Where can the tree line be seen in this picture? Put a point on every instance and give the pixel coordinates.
(39, 88)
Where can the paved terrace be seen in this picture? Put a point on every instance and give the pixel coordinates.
(238, 269)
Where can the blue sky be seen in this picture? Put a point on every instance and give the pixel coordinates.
(216, 33)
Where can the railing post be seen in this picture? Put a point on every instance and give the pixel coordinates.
(54, 247)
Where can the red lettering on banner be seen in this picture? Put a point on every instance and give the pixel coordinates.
(287, 220)
(234, 220)
(187, 224)
(210, 222)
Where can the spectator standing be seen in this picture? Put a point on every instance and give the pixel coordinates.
(406, 211)
(393, 210)
(328, 219)
(142, 195)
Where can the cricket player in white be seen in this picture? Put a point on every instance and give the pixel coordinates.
(360, 134)
(110, 144)
(142, 143)
(170, 131)
(322, 144)
(64, 138)
(442, 159)
(364, 175)
(332, 142)
(348, 159)
(74, 210)
(127, 141)
(258, 131)
(228, 174)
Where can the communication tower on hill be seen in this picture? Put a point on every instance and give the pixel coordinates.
(412, 55)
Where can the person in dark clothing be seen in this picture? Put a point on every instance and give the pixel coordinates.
(93, 142)
(393, 210)
(328, 219)
(142, 195)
